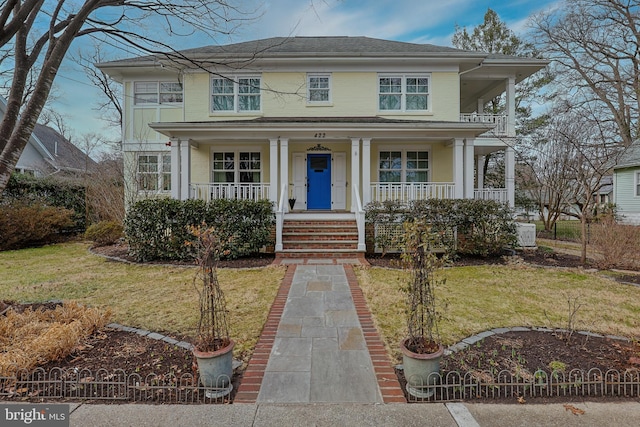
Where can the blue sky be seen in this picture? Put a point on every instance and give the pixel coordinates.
(417, 21)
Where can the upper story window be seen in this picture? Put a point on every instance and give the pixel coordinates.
(243, 94)
(403, 92)
(154, 172)
(157, 93)
(638, 183)
(404, 166)
(318, 88)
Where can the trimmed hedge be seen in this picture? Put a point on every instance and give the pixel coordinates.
(66, 194)
(158, 229)
(484, 227)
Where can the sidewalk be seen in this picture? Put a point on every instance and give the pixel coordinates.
(432, 414)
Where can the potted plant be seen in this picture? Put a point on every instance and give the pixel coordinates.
(213, 349)
(421, 349)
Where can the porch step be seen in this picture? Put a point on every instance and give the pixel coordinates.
(319, 238)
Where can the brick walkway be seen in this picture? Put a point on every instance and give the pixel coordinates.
(319, 344)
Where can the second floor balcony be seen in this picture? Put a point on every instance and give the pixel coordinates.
(500, 121)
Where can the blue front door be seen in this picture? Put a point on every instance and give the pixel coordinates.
(318, 181)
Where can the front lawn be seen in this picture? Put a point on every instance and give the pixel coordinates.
(485, 297)
(158, 298)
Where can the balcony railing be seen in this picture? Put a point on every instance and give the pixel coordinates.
(407, 191)
(211, 191)
(499, 120)
(497, 194)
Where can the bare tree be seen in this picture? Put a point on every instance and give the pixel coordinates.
(110, 106)
(39, 35)
(567, 163)
(595, 47)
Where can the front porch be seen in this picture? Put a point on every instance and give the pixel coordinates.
(379, 192)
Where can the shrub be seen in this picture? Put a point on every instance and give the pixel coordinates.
(61, 193)
(617, 243)
(158, 229)
(26, 225)
(104, 233)
(483, 227)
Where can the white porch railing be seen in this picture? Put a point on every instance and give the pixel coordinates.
(211, 191)
(499, 120)
(407, 191)
(497, 194)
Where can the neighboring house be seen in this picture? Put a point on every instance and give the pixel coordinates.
(48, 153)
(332, 122)
(626, 185)
(604, 196)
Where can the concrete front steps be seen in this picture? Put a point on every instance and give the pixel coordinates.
(329, 235)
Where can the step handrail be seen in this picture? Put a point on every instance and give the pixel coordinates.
(280, 218)
(359, 211)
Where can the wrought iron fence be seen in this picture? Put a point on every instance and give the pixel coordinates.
(102, 385)
(454, 386)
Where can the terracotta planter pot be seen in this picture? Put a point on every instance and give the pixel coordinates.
(216, 369)
(420, 370)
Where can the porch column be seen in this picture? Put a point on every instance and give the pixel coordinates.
(511, 106)
(355, 171)
(175, 169)
(185, 169)
(509, 170)
(468, 168)
(480, 105)
(458, 171)
(480, 172)
(284, 169)
(366, 171)
(273, 171)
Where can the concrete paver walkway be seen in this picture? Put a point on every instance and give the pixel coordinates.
(319, 344)
(319, 353)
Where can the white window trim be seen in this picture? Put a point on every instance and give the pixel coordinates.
(159, 173)
(236, 110)
(158, 93)
(403, 93)
(329, 101)
(636, 183)
(403, 150)
(236, 159)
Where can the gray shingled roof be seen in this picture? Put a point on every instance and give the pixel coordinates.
(66, 155)
(631, 156)
(334, 46)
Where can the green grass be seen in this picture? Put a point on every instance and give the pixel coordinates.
(486, 297)
(158, 298)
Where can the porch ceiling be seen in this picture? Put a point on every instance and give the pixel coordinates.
(309, 127)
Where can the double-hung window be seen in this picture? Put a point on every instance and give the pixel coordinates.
(404, 166)
(318, 88)
(157, 93)
(241, 94)
(403, 92)
(237, 166)
(154, 172)
(637, 184)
